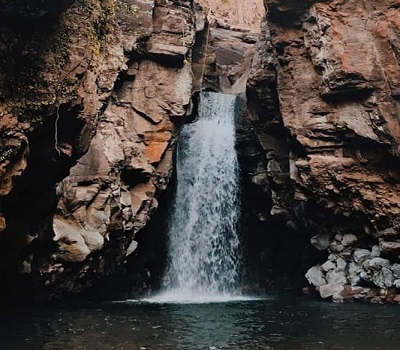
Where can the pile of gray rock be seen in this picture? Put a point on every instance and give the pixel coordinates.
(352, 272)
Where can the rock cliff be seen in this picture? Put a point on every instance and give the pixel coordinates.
(226, 45)
(324, 99)
(91, 94)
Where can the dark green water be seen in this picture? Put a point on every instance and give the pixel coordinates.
(285, 323)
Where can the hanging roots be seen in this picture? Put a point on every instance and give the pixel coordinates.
(56, 132)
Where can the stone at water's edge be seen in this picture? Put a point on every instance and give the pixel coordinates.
(324, 96)
(88, 127)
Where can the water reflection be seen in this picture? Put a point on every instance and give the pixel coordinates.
(270, 324)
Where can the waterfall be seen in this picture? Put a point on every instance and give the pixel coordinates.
(203, 242)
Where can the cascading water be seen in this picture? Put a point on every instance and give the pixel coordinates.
(203, 242)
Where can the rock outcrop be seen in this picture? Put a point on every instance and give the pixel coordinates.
(224, 55)
(91, 94)
(324, 97)
(234, 14)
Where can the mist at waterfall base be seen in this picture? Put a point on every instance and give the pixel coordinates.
(203, 244)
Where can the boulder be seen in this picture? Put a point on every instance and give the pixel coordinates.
(2, 222)
(321, 242)
(360, 255)
(389, 247)
(331, 290)
(131, 248)
(75, 243)
(378, 263)
(336, 277)
(341, 264)
(389, 232)
(396, 283)
(315, 276)
(328, 265)
(375, 251)
(365, 276)
(349, 240)
(383, 278)
(336, 247)
(396, 270)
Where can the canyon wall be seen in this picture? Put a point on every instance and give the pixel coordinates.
(324, 99)
(92, 93)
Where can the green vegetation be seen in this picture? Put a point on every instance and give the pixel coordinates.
(8, 152)
(38, 78)
(37, 84)
(126, 8)
(101, 21)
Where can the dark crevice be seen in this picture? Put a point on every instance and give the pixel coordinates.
(33, 200)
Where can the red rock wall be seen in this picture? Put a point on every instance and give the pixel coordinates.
(87, 135)
(324, 95)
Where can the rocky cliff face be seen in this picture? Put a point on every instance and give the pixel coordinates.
(91, 93)
(324, 98)
(234, 14)
(226, 44)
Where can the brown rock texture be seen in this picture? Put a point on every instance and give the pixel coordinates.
(235, 14)
(324, 96)
(228, 31)
(90, 92)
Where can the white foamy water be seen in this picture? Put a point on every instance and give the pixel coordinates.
(203, 262)
(174, 297)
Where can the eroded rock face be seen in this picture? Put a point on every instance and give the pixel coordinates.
(234, 14)
(87, 137)
(323, 95)
(223, 59)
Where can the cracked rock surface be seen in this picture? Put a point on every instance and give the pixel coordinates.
(91, 92)
(324, 100)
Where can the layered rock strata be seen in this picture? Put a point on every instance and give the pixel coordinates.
(225, 49)
(88, 127)
(234, 14)
(324, 98)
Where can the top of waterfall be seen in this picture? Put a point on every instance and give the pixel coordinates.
(235, 14)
